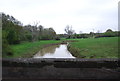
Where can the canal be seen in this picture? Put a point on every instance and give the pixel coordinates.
(54, 51)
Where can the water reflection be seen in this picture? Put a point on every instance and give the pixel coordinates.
(55, 51)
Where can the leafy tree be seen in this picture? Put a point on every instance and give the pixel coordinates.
(48, 33)
(13, 32)
(109, 30)
(11, 29)
(6, 50)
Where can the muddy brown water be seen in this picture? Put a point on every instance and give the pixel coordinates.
(55, 51)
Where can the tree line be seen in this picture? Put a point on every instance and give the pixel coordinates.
(70, 33)
(13, 32)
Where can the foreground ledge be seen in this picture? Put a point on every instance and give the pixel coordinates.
(60, 68)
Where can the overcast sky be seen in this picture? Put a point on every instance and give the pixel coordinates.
(83, 15)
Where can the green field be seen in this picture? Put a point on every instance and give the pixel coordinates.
(27, 49)
(83, 48)
(95, 48)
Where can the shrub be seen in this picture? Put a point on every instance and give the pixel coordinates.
(6, 50)
(57, 38)
(29, 37)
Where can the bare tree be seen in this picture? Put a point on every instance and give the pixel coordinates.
(35, 32)
(80, 32)
(98, 31)
(69, 30)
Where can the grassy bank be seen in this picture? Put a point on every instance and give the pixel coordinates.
(82, 48)
(27, 49)
(95, 48)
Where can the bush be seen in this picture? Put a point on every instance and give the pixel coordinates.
(57, 38)
(6, 50)
(108, 34)
(29, 37)
(12, 37)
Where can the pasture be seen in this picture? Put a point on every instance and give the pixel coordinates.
(96, 48)
(87, 48)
